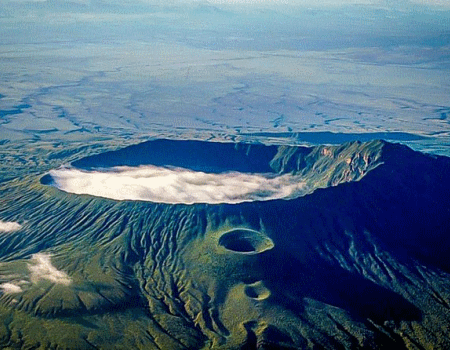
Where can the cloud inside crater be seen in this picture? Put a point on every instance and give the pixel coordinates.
(176, 185)
(9, 226)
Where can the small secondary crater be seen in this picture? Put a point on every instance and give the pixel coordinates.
(257, 291)
(246, 241)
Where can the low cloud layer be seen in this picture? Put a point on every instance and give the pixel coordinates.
(41, 268)
(10, 288)
(9, 226)
(175, 186)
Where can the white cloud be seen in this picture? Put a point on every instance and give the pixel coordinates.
(10, 288)
(41, 268)
(170, 185)
(9, 226)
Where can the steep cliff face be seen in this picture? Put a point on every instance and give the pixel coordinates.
(354, 157)
(358, 261)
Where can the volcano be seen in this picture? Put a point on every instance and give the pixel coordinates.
(354, 255)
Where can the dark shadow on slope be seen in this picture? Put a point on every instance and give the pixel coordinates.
(82, 322)
(290, 281)
(414, 220)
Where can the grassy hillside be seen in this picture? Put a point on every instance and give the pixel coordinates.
(358, 261)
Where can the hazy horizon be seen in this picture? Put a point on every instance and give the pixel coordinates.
(134, 69)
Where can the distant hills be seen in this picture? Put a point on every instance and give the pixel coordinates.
(359, 261)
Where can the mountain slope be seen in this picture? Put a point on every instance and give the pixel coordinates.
(360, 261)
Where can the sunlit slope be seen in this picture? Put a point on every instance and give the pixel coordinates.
(361, 261)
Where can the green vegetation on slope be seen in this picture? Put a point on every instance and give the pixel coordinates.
(322, 270)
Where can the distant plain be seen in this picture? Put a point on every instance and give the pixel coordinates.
(83, 72)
